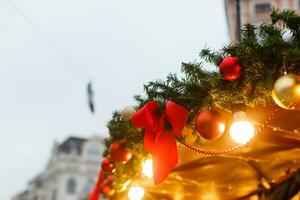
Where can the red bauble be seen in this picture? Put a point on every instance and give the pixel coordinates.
(210, 124)
(107, 187)
(118, 152)
(230, 68)
(107, 165)
(109, 181)
(106, 190)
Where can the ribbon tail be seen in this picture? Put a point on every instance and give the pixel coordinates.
(96, 191)
(177, 116)
(149, 141)
(165, 157)
(95, 194)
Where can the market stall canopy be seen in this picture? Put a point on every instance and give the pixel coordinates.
(271, 159)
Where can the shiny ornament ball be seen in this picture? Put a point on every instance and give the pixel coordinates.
(106, 190)
(210, 124)
(127, 112)
(118, 152)
(107, 187)
(286, 92)
(190, 139)
(110, 181)
(230, 68)
(186, 132)
(107, 165)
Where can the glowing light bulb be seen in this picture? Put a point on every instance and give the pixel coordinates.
(241, 130)
(136, 193)
(147, 169)
(297, 90)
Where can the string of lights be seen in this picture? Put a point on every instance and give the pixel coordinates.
(218, 152)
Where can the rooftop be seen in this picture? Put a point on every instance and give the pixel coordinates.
(72, 144)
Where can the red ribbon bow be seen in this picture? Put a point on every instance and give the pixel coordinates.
(159, 140)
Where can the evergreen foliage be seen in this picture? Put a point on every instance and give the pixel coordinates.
(264, 52)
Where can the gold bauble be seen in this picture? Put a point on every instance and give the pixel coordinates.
(187, 131)
(191, 139)
(286, 92)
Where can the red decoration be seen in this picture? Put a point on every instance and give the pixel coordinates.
(103, 186)
(118, 152)
(107, 165)
(109, 179)
(210, 124)
(230, 68)
(95, 194)
(159, 140)
(107, 188)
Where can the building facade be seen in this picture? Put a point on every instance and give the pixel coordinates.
(254, 12)
(71, 172)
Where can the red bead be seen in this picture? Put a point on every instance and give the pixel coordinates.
(118, 152)
(230, 68)
(210, 124)
(106, 190)
(107, 165)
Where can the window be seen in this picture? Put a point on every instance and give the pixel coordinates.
(71, 186)
(93, 150)
(262, 8)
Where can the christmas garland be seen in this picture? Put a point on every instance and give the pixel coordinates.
(259, 70)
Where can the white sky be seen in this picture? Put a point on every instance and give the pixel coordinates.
(49, 49)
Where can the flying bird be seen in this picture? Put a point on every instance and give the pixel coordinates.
(90, 94)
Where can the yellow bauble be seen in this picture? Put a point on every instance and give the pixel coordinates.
(186, 131)
(190, 139)
(286, 92)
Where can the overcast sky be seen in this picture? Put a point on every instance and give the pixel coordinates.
(49, 49)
